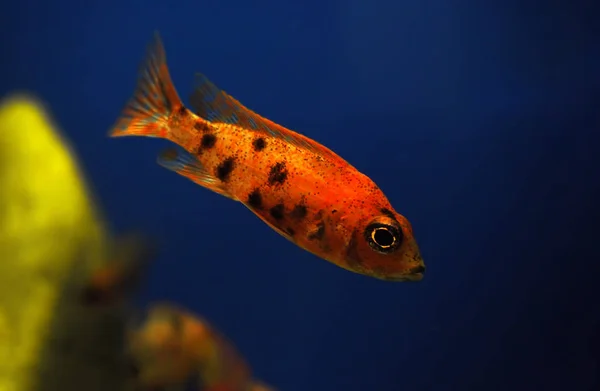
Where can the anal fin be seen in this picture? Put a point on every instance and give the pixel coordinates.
(273, 227)
(187, 165)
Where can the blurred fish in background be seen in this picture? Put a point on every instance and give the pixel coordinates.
(171, 348)
(67, 283)
(115, 281)
(53, 240)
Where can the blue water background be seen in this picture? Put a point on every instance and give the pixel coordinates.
(478, 119)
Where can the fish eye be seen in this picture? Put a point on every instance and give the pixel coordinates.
(383, 238)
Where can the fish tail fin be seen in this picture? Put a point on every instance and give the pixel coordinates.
(148, 111)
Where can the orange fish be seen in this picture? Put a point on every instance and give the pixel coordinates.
(173, 348)
(300, 188)
(117, 279)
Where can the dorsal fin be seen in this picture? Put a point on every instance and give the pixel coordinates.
(215, 105)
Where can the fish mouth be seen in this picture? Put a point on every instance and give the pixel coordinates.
(406, 278)
(413, 275)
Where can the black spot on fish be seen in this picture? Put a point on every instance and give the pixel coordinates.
(290, 231)
(318, 233)
(277, 211)
(208, 141)
(278, 174)
(388, 213)
(225, 168)
(255, 199)
(182, 111)
(201, 126)
(299, 212)
(259, 144)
